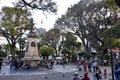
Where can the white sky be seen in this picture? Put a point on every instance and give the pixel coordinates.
(38, 15)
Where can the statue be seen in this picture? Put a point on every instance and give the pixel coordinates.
(31, 25)
(31, 55)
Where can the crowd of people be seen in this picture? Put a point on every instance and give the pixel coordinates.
(86, 67)
(92, 66)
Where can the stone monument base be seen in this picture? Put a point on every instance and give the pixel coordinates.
(32, 62)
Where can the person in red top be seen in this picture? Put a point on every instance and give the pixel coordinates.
(99, 70)
(86, 76)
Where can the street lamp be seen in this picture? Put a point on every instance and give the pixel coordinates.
(109, 23)
(111, 55)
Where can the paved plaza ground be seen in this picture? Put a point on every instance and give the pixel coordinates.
(58, 72)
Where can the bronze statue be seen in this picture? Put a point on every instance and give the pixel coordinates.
(31, 25)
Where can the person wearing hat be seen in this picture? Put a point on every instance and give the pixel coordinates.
(76, 76)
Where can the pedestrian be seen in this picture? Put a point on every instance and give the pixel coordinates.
(11, 64)
(97, 76)
(86, 77)
(105, 73)
(99, 70)
(78, 63)
(76, 76)
(89, 66)
(94, 64)
(117, 71)
(85, 67)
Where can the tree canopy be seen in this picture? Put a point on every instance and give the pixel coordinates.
(88, 19)
(43, 5)
(14, 23)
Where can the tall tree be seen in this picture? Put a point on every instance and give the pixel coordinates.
(52, 38)
(88, 19)
(14, 24)
(69, 42)
(115, 36)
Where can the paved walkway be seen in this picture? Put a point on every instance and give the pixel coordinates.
(58, 72)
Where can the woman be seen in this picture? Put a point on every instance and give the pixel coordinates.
(86, 76)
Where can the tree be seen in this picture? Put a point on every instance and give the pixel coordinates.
(44, 5)
(7, 48)
(14, 23)
(70, 42)
(88, 20)
(117, 2)
(2, 54)
(46, 51)
(52, 38)
(115, 36)
(70, 46)
(22, 43)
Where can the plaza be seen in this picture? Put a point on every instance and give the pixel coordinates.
(83, 43)
(58, 72)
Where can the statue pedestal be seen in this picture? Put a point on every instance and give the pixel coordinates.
(31, 54)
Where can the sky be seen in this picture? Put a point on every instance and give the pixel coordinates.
(38, 16)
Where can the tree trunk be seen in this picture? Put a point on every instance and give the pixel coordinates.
(13, 51)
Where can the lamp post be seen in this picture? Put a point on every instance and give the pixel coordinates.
(111, 55)
(109, 22)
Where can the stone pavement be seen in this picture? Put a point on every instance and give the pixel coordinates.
(59, 72)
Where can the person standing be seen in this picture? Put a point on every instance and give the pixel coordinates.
(105, 73)
(76, 76)
(97, 77)
(117, 71)
(11, 64)
(89, 66)
(86, 77)
(94, 64)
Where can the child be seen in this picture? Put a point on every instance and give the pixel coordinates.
(99, 70)
(105, 73)
(85, 67)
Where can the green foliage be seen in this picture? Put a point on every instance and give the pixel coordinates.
(66, 52)
(70, 42)
(51, 38)
(88, 20)
(82, 53)
(106, 56)
(46, 51)
(14, 23)
(111, 3)
(2, 54)
(93, 53)
(7, 48)
(115, 34)
(14, 20)
(20, 54)
(116, 31)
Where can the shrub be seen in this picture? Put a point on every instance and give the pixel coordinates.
(2, 54)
